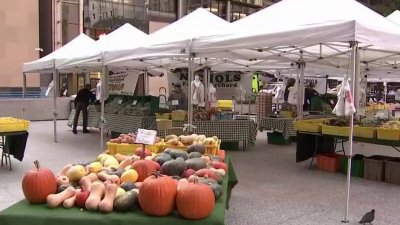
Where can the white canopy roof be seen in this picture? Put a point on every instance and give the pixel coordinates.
(394, 17)
(317, 28)
(126, 35)
(73, 48)
(172, 40)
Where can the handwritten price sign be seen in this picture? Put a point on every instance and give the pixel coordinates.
(146, 137)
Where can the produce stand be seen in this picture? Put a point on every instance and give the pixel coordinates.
(13, 138)
(225, 130)
(24, 213)
(116, 123)
(284, 125)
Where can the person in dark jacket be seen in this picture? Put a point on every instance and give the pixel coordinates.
(82, 101)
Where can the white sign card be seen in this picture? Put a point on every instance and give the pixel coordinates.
(146, 137)
(397, 114)
(175, 102)
(120, 102)
(123, 83)
(134, 102)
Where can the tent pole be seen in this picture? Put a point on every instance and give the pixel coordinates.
(23, 94)
(353, 62)
(302, 66)
(298, 88)
(55, 92)
(146, 81)
(102, 99)
(206, 86)
(190, 79)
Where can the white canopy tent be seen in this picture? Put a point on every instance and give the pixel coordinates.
(394, 17)
(340, 33)
(51, 61)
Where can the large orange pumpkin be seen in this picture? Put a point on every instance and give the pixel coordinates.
(144, 168)
(38, 183)
(157, 195)
(195, 201)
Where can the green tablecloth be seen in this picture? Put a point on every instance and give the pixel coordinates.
(23, 213)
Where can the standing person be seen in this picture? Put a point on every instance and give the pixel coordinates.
(82, 100)
(178, 95)
(64, 90)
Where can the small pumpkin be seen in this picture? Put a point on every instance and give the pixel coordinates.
(195, 200)
(126, 201)
(174, 167)
(195, 155)
(217, 189)
(196, 148)
(115, 171)
(188, 173)
(139, 152)
(179, 153)
(206, 172)
(144, 168)
(196, 164)
(219, 165)
(127, 186)
(162, 158)
(38, 183)
(157, 195)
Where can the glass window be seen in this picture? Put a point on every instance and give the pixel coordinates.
(70, 21)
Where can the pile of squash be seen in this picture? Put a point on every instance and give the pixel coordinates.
(187, 181)
(187, 140)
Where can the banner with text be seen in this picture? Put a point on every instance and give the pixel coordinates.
(123, 83)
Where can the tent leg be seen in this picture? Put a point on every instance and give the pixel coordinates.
(102, 99)
(23, 94)
(302, 90)
(55, 91)
(190, 80)
(353, 81)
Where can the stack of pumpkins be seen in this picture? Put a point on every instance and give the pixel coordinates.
(184, 180)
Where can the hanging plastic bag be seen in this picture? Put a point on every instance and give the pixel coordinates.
(345, 104)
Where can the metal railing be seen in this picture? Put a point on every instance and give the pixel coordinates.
(18, 94)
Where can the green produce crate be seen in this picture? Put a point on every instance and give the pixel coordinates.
(115, 134)
(229, 145)
(276, 138)
(357, 165)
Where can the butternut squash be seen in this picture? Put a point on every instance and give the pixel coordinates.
(64, 170)
(120, 157)
(103, 176)
(85, 182)
(126, 162)
(93, 177)
(69, 203)
(106, 205)
(54, 200)
(96, 193)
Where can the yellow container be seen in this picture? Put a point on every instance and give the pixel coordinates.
(178, 115)
(388, 134)
(336, 131)
(129, 149)
(226, 104)
(312, 125)
(212, 149)
(364, 132)
(165, 116)
(287, 114)
(10, 124)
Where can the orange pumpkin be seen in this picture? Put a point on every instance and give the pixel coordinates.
(38, 183)
(157, 195)
(194, 200)
(144, 168)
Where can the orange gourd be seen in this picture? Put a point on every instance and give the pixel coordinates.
(106, 205)
(144, 168)
(124, 163)
(54, 200)
(85, 182)
(93, 177)
(38, 183)
(96, 193)
(157, 195)
(195, 201)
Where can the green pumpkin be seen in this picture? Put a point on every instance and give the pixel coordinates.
(178, 153)
(162, 158)
(193, 155)
(217, 189)
(126, 201)
(174, 167)
(115, 171)
(127, 186)
(196, 164)
(207, 180)
(62, 187)
(196, 148)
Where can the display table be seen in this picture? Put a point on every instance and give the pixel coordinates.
(12, 143)
(225, 130)
(23, 213)
(114, 122)
(93, 119)
(284, 125)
